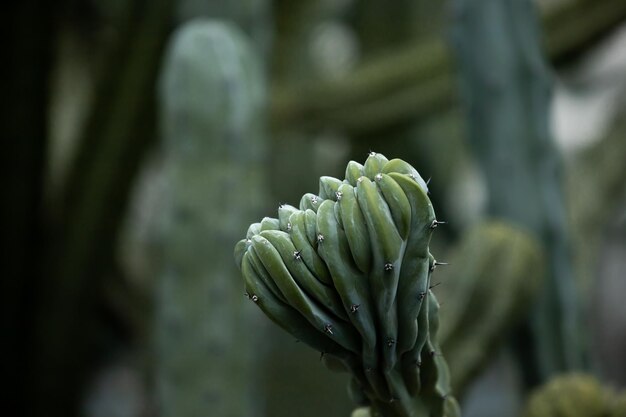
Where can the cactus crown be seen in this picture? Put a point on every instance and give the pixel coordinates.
(348, 273)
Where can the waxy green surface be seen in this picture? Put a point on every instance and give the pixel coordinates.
(348, 272)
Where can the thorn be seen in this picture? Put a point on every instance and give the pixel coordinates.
(289, 226)
(428, 180)
(320, 238)
(388, 266)
(281, 205)
(338, 194)
(245, 294)
(372, 153)
(378, 177)
(434, 285)
(254, 298)
(354, 308)
(314, 199)
(368, 369)
(391, 342)
(436, 264)
(436, 223)
(421, 295)
(297, 255)
(328, 328)
(248, 241)
(322, 355)
(392, 399)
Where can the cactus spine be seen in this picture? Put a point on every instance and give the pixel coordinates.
(211, 96)
(348, 273)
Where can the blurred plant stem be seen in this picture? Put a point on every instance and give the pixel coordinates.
(506, 87)
(417, 80)
(212, 98)
(81, 242)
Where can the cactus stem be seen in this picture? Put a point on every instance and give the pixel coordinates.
(388, 266)
(328, 328)
(354, 308)
(297, 255)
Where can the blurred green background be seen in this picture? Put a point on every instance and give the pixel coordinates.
(134, 159)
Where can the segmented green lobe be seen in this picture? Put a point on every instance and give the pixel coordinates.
(401, 167)
(284, 212)
(269, 223)
(355, 229)
(343, 334)
(310, 202)
(309, 255)
(354, 171)
(353, 289)
(398, 203)
(329, 187)
(374, 165)
(286, 316)
(292, 258)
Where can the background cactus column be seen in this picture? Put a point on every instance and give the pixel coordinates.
(506, 86)
(212, 95)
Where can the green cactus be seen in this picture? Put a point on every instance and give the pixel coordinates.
(574, 395)
(496, 269)
(348, 273)
(212, 100)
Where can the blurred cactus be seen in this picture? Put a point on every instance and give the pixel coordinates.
(348, 273)
(575, 395)
(496, 270)
(212, 96)
(507, 87)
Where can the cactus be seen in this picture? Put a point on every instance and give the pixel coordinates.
(507, 87)
(212, 96)
(348, 273)
(574, 395)
(496, 270)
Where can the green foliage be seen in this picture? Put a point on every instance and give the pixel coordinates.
(575, 395)
(493, 275)
(212, 97)
(348, 273)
